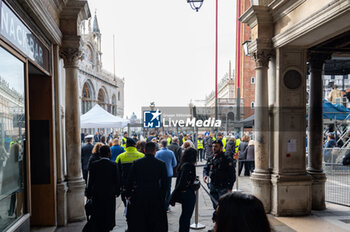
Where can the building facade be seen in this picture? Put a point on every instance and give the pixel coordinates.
(40, 173)
(98, 86)
(289, 40)
(227, 101)
(245, 66)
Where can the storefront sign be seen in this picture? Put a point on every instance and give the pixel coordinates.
(14, 30)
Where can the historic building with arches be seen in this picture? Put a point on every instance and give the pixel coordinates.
(97, 85)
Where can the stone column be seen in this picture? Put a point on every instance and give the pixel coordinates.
(272, 105)
(315, 136)
(76, 184)
(261, 175)
(61, 183)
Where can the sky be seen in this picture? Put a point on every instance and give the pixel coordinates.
(164, 49)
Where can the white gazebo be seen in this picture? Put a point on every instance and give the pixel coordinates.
(97, 117)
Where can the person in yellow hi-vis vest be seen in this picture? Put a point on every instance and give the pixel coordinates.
(184, 138)
(125, 136)
(124, 162)
(169, 139)
(238, 141)
(200, 148)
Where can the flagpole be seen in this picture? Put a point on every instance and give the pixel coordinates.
(114, 77)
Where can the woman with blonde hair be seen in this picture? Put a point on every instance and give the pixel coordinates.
(243, 156)
(116, 149)
(95, 154)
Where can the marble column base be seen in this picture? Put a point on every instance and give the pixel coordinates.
(62, 189)
(76, 200)
(291, 195)
(318, 190)
(262, 188)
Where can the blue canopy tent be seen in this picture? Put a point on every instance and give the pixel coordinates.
(330, 112)
(335, 111)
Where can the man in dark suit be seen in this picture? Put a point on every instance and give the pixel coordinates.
(97, 138)
(103, 188)
(146, 188)
(86, 152)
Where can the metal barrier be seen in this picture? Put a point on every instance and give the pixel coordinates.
(338, 176)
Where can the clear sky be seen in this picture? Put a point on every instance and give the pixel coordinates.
(164, 49)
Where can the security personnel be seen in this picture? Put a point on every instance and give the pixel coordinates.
(125, 137)
(124, 161)
(200, 148)
(238, 141)
(184, 139)
(14, 141)
(169, 139)
(221, 171)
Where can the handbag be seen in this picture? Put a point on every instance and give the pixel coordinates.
(88, 208)
(196, 184)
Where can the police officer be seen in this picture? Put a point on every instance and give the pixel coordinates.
(221, 171)
(124, 162)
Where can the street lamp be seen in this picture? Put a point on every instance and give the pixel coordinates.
(195, 4)
(246, 47)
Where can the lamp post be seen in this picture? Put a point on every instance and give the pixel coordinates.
(195, 4)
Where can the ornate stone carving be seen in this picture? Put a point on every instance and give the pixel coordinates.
(71, 56)
(262, 58)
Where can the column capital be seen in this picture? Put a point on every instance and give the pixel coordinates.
(317, 59)
(71, 56)
(262, 58)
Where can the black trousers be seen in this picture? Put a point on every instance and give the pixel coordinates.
(188, 201)
(246, 165)
(200, 155)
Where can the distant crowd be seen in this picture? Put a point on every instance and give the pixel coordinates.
(140, 170)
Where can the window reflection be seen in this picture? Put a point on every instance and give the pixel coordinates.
(12, 135)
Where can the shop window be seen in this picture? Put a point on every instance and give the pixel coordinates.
(12, 136)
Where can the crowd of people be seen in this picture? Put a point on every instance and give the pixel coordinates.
(140, 171)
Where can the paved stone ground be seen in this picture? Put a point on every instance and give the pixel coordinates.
(335, 218)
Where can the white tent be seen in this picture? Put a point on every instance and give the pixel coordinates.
(97, 117)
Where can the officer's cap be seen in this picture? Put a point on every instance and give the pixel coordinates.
(89, 137)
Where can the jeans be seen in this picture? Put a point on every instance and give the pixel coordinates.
(167, 195)
(216, 193)
(188, 201)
